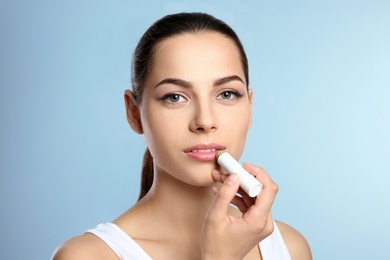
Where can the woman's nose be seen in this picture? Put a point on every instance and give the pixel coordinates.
(204, 119)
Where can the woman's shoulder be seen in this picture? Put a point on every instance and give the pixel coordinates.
(296, 243)
(84, 247)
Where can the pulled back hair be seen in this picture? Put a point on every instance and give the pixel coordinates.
(166, 27)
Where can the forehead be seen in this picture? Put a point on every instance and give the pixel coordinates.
(207, 52)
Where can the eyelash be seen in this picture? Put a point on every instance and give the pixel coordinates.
(170, 95)
(236, 95)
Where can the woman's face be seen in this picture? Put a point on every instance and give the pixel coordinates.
(195, 103)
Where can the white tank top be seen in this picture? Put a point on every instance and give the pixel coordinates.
(272, 247)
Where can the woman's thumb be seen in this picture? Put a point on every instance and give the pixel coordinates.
(225, 194)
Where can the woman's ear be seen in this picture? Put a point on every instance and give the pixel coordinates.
(250, 96)
(132, 112)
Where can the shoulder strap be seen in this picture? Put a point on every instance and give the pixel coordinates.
(121, 243)
(273, 246)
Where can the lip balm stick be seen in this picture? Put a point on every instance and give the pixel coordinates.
(248, 182)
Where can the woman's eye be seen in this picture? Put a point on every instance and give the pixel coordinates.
(173, 98)
(228, 95)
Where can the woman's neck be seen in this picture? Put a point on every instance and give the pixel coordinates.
(183, 201)
(170, 207)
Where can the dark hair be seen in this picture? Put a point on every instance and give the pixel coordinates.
(168, 26)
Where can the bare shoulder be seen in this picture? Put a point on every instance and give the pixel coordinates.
(296, 243)
(84, 247)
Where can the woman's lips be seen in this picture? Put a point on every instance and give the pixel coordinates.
(203, 153)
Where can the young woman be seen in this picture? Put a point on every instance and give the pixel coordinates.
(190, 99)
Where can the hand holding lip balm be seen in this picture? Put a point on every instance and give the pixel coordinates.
(248, 182)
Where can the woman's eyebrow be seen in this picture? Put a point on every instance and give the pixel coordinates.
(188, 85)
(228, 79)
(173, 81)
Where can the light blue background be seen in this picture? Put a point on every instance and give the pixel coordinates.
(321, 75)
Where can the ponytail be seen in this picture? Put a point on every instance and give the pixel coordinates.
(147, 174)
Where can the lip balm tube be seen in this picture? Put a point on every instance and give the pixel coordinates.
(248, 182)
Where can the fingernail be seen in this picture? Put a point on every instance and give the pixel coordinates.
(232, 179)
(216, 172)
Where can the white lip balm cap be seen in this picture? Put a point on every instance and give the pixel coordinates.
(248, 182)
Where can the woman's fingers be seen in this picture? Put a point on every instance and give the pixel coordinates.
(262, 203)
(220, 230)
(265, 199)
(225, 194)
(237, 201)
(218, 176)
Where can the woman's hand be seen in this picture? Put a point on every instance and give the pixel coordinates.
(228, 237)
